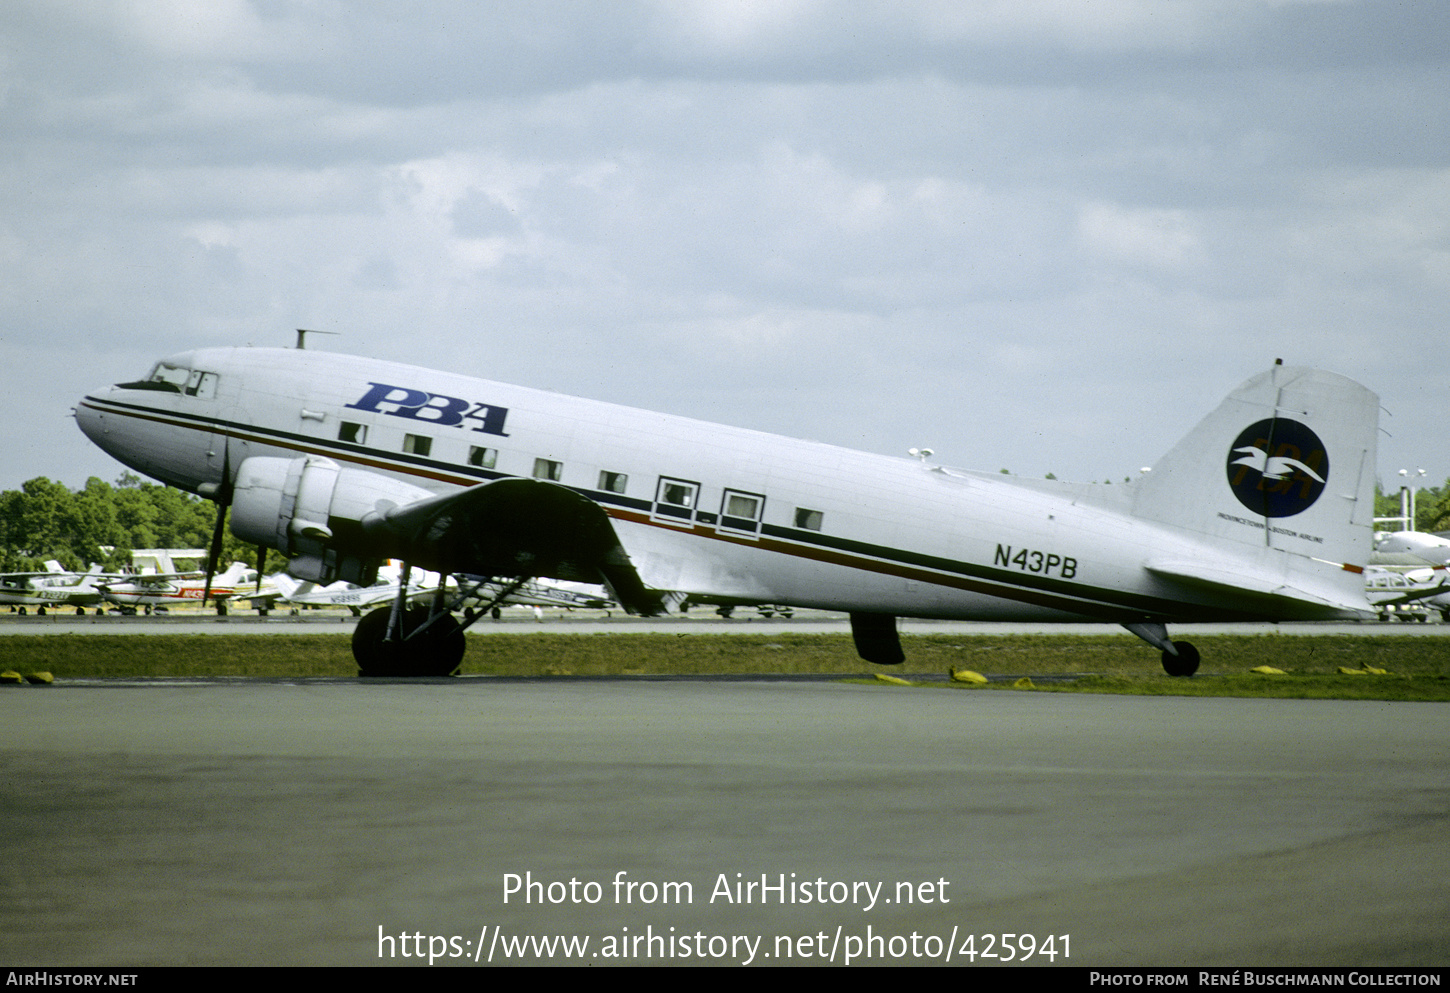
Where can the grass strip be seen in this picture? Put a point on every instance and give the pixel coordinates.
(1418, 668)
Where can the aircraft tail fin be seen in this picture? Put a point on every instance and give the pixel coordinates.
(1284, 469)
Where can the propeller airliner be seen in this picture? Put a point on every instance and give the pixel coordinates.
(1263, 512)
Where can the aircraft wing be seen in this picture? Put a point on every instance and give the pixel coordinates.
(1410, 597)
(1393, 597)
(149, 579)
(513, 528)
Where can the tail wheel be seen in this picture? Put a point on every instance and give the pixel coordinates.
(438, 651)
(1185, 663)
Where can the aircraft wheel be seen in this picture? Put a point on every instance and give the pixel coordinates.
(438, 652)
(1185, 663)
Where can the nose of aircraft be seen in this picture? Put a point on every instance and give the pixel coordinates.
(91, 421)
(110, 431)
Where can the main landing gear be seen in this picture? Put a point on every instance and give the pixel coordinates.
(1180, 658)
(413, 640)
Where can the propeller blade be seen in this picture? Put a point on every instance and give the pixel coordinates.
(216, 549)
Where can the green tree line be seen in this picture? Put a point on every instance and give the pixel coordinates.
(103, 523)
(1432, 507)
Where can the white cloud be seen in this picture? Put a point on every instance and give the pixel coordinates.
(778, 214)
(1156, 238)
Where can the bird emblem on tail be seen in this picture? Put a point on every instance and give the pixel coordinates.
(1276, 467)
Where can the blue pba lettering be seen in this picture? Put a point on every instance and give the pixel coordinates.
(431, 408)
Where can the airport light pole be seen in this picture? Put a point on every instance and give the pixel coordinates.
(1407, 496)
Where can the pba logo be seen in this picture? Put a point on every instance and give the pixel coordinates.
(1277, 468)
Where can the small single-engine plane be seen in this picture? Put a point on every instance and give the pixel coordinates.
(1263, 512)
(423, 587)
(152, 591)
(50, 589)
(1408, 595)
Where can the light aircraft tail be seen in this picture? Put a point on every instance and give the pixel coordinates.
(1278, 482)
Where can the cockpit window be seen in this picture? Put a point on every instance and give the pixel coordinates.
(201, 384)
(170, 378)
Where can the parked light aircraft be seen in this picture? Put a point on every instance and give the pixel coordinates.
(1263, 512)
(303, 593)
(53, 588)
(423, 587)
(152, 590)
(1431, 548)
(1408, 595)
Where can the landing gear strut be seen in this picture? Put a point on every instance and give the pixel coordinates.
(413, 640)
(1180, 658)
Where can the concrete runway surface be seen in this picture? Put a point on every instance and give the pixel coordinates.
(337, 822)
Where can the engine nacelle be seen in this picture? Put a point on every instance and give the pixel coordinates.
(310, 510)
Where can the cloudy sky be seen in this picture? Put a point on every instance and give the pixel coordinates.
(1042, 235)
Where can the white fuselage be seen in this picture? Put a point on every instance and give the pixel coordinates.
(700, 508)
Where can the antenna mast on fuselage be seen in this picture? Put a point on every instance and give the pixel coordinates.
(302, 334)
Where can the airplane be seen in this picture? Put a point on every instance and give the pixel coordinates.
(1431, 548)
(53, 588)
(341, 462)
(1408, 595)
(423, 587)
(541, 593)
(160, 590)
(303, 593)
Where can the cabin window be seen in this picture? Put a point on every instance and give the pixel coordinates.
(741, 511)
(484, 458)
(810, 520)
(741, 505)
(613, 482)
(548, 469)
(417, 444)
(675, 498)
(353, 434)
(677, 494)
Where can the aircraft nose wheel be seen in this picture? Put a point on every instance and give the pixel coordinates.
(438, 651)
(1185, 663)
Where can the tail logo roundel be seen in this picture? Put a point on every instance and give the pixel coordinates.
(1277, 468)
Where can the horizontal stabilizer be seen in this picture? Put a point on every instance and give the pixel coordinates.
(1250, 587)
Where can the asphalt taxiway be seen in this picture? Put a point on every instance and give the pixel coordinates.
(340, 822)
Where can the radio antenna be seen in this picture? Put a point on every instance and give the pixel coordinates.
(302, 334)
